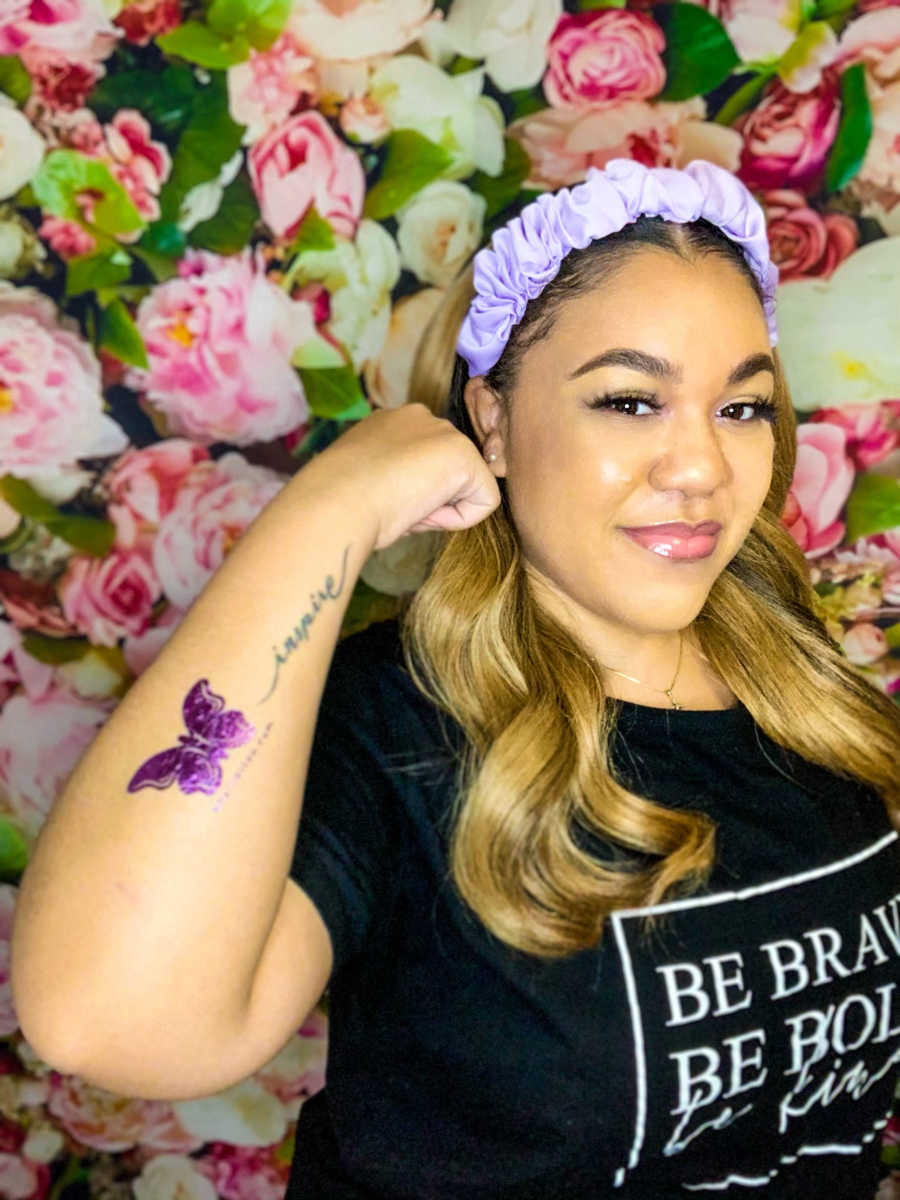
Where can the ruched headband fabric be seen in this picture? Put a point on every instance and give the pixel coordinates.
(525, 254)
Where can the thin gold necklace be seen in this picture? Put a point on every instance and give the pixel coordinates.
(667, 691)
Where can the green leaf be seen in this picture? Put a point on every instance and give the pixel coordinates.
(165, 98)
(334, 392)
(208, 140)
(412, 161)
(119, 335)
(590, 5)
(892, 635)
(164, 237)
(501, 190)
(832, 8)
(87, 272)
(802, 48)
(313, 233)
(873, 506)
(25, 499)
(13, 848)
(741, 99)
(14, 79)
(461, 65)
(65, 173)
(699, 54)
(93, 535)
(524, 102)
(855, 129)
(228, 230)
(260, 21)
(200, 44)
(55, 651)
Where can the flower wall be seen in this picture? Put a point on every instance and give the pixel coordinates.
(223, 227)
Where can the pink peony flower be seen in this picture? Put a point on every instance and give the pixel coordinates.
(864, 643)
(141, 486)
(303, 162)
(79, 29)
(106, 598)
(215, 504)
(67, 238)
(823, 477)
(219, 339)
(873, 430)
(41, 739)
(108, 1122)
(563, 143)
(50, 394)
(143, 20)
(804, 242)
(271, 84)
(241, 1172)
(597, 58)
(787, 136)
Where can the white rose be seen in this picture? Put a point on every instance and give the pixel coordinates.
(387, 377)
(359, 275)
(511, 38)
(21, 148)
(447, 109)
(202, 201)
(358, 29)
(438, 229)
(403, 566)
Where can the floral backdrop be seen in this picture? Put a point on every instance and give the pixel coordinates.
(223, 227)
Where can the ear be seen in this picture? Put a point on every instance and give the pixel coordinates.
(488, 416)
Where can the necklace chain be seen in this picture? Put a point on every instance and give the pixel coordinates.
(667, 691)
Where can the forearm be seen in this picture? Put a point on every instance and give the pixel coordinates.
(148, 907)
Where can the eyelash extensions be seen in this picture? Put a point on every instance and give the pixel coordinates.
(764, 410)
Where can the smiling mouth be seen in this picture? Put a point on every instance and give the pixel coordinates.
(679, 546)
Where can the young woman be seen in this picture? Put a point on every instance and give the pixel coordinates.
(596, 851)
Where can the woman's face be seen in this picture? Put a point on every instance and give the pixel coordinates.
(676, 353)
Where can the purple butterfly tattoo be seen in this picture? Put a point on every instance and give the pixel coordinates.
(194, 763)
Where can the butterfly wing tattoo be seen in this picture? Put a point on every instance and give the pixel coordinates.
(194, 763)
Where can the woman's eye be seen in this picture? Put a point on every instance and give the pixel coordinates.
(760, 409)
(624, 403)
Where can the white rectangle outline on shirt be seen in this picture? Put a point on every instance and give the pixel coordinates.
(622, 914)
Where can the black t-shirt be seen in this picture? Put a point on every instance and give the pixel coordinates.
(750, 1046)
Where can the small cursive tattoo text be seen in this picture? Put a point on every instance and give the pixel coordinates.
(243, 767)
(300, 632)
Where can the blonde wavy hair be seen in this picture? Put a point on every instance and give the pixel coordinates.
(536, 771)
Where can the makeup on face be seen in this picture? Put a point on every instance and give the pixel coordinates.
(677, 542)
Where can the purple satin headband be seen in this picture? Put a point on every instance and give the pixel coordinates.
(525, 254)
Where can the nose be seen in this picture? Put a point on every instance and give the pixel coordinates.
(690, 458)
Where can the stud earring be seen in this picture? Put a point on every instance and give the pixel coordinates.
(492, 456)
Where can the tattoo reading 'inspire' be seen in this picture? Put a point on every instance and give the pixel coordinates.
(194, 763)
(300, 632)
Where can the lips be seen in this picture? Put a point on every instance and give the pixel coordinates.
(677, 540)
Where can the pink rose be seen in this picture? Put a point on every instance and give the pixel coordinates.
(563, 142)
(31, 604)
(363, 119)
(303, 162)
(802, 241)
(215, 504)
(107, 598)
(271, 84)
(57, 80)
(864, 644)
(823, 477)
(79, 29)
(142, 485)
(873, 430)
(50, 396)
(41, 739)
(787, 136)
(219, 339)
(22, 1179)
(66, 237)
(140, 164)
(597, 58)
(143, 20)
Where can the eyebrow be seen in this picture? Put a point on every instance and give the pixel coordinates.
(661, 368)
